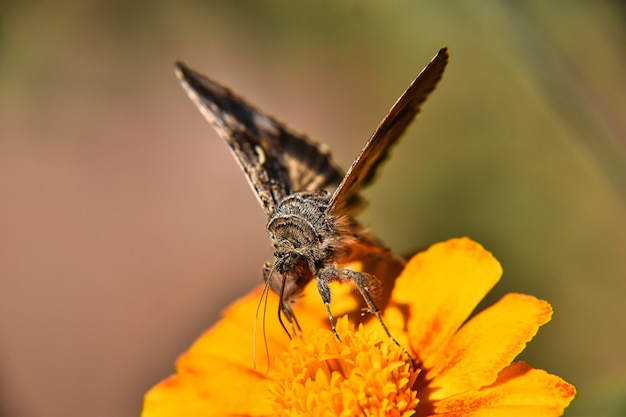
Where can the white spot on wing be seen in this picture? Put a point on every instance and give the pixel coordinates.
(261, 154)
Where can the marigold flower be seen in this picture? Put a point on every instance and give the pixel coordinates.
(464, 368)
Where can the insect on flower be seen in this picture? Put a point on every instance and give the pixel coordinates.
(310, 203)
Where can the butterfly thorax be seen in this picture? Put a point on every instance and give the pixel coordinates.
(305, 237)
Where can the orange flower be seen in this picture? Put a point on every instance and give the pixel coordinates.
(464, 369)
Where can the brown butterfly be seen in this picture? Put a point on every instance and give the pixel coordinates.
(309, 201)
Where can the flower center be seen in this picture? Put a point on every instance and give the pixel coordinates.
(361, 375)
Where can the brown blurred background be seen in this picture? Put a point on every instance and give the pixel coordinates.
(126, 225)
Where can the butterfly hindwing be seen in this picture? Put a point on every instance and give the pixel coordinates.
(387, 133)
(276, 160)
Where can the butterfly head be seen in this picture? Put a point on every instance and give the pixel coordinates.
(289, 259)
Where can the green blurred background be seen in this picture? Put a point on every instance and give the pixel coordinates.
(126, 226)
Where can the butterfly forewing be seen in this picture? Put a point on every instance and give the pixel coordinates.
(389, 130)
(276, 160)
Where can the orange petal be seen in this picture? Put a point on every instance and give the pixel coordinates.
(486, 344)
(438, 289)
(217, 371)
(231, 339)
(237, 326)
(215, 390)
(519, 391)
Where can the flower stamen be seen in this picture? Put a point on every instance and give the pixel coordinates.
(363, 375)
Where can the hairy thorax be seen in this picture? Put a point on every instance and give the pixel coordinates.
(300, 223)
(305, 239)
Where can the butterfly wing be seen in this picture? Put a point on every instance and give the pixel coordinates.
(276, 160)
(390, 129)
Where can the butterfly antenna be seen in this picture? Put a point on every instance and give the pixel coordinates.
(263, 300)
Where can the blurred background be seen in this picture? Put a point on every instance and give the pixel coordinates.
(126, 226)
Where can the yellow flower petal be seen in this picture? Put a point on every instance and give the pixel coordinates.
(438, 290)
(519, 391)
(217, 372)
(231, 339)
(463, 371)
(486, 344)
(214, 390)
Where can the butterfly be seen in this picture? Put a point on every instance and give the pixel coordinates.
(309, 201)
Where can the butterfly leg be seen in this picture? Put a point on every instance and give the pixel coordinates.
(367, 285)
(325, 276)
